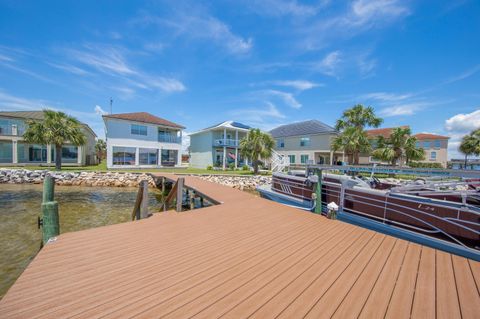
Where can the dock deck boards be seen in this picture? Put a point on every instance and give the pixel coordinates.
(247, 257)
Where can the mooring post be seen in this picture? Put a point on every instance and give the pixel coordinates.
(180, 183)
(163, 185)
(144, 205)
(50, 220)
(201, 201)
(192, 200)
(318, 192)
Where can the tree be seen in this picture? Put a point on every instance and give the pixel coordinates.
(470, 145)
(100, 149)
(58, 129)
(358, 116)
(353, 139)
(257, 145)
(400, 147)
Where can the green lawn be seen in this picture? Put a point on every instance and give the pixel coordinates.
(103, 168)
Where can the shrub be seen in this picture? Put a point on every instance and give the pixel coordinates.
(245, 168)
(231, 166)
(425, 165)
(209, 168)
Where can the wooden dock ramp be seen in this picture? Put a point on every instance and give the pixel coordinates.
(246, 257)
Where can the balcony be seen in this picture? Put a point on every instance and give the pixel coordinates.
(226, 142)
(167, 138)
(11, 130)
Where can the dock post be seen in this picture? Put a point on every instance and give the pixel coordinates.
(163, 185)
(318, 192)
(180, 183)
(201, 201)
(144, 205)
(192, 200)
(50, 219)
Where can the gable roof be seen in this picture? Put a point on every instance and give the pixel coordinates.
(34, 115)
(385, 132)
(143, 117)
(226, 124)
(302, 128)
(428, 136)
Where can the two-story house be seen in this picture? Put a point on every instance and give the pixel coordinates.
(307, 142)
(435, 146)
(218, 145)
(15, 151)
(142, 140)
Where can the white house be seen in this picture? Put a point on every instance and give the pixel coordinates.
(142, 140)
(218, 145)
(14, 151)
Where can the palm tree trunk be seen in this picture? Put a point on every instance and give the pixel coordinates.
(466, 160)
(255, 167)
(58, 157)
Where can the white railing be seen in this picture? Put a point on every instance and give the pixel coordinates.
(279, 162)
(168, 138)
(225, 142)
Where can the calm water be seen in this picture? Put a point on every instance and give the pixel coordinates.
(79, 208)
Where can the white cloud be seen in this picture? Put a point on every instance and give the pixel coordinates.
(367, 11)
(385, 96)
(70, 68)
(13, 103)
(285, 7)
(402, 109)
(463, 122)
(98, 110)
(106, 59)
(167, 85)
(329, 64)
(200, 25)
(264, 117)
(466, 74)
(287, 98)
(300, 85)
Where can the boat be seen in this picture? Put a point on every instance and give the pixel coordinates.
(447, 210)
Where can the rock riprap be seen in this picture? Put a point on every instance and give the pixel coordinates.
(239, 182)
(112, 179)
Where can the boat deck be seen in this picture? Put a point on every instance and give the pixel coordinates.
(247, 257)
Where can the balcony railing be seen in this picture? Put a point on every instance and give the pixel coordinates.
(11, 130)
(226, 142)
(169, 139)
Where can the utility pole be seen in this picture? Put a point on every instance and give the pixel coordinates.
(111, 103)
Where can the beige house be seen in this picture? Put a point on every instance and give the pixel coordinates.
(435, 146)
(306, 142)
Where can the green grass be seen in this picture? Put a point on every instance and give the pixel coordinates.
(103, 168)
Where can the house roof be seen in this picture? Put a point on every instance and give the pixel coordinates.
(385, 132)
(302, 128)
(34, 115)
(428, 136)
(143, 117)
(226, 124)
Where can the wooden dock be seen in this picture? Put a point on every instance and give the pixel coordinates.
(246, 257)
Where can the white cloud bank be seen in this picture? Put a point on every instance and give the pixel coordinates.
(463, 122)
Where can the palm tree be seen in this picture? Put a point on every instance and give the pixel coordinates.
(100, 149)
(470, 145)
(399, 147)
(57, 128)
(257, 145)
(352, 141)
(358, 116)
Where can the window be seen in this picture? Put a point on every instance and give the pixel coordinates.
(304, 159)
(418, 145)
(433, 156)
(69, 154)
(169, 157)
(437, 143)
(123, 155)
(147, 156)
(139, 129)
(426, 144)
(305, 141)
(280, 143)
(6, 152)
(292, 159)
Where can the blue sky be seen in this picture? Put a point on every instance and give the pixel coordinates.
(264, 63)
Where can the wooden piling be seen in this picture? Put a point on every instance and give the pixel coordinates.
(318, 192)
(192, 200)
(144, 205)
(50, 219)
(180, 183)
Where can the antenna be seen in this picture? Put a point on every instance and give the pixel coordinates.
(111, 103)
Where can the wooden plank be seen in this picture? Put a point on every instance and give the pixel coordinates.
(475, 268)
(466, 288)
(379, 298)
(338, 291)
(447, 297)
(424, 301)
(353, 302)
(400, 305)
